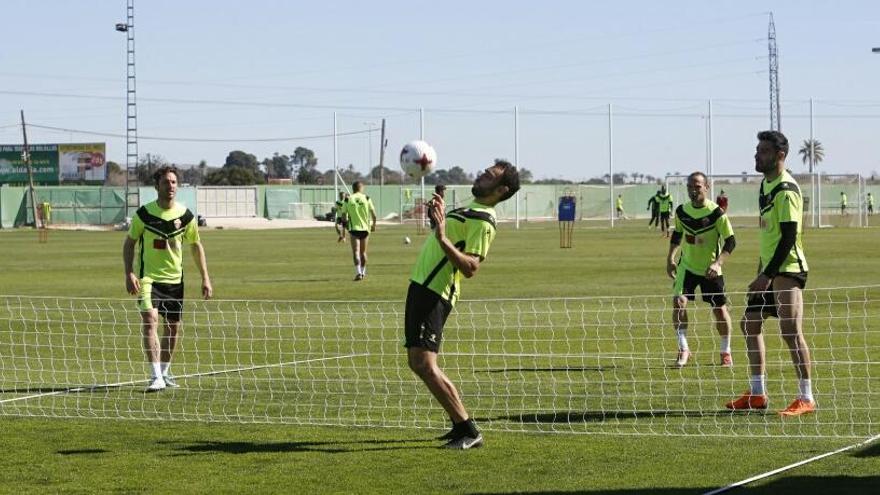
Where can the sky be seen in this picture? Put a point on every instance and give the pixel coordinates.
(530, 82)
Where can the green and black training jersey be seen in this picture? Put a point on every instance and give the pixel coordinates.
(357, 209)
(161, 234)
(703, 231)
(665, 202)
(780, 201)
(471, 230)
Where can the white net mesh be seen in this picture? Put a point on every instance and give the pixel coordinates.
(585, 365)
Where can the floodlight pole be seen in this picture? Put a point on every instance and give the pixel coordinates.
(335, 161)
(423, 219)
(132, 183)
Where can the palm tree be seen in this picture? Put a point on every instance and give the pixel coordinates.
(816, 151)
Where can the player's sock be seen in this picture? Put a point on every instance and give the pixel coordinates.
(756, 384)
(164, 367)
(357, 269)
(156, 370)
(364, 270)
(806, 388)
(470, 427)
(725, 344)
(682, 337)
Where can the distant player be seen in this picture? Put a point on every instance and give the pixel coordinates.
(664, 201)
(161, 228)
(361, 217)
(842, 203)
(722, 201)
(457, 248)
(654, 206)
(703, 231)
(339, 216)
(777, 290)
(618, 207)
(870, 199)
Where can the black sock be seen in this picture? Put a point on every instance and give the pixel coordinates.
(470, 427)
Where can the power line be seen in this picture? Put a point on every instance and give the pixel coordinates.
(199, 140)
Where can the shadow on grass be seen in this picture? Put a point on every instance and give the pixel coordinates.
(546, 370)
(327, 447)
(872, 450)
(599, 416)
(795, 485)
(82, 451)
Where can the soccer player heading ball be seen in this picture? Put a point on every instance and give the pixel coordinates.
(456, 248)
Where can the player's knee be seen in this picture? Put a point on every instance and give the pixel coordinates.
(420, 366)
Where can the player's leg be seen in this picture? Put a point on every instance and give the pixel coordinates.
(751, 324)
(790, 307)
(171, 308)
(150, 335)
(713, 293)
(683, 290)
(355, 255)
(363, 254)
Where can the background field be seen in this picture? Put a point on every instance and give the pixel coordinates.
(102, 455)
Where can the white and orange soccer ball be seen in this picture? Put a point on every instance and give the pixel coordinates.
(417, 159)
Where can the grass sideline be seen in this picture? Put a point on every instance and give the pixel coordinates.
(140, 456)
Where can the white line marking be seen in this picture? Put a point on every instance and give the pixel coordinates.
(790, 466)
(207, 373)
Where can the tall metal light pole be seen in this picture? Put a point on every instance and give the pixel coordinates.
(132, 191)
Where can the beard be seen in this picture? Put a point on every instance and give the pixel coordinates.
(765, 166)
(479, 192)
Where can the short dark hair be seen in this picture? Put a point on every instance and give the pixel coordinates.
(694, 174)
(509, 178)
(439, 187)
(356, 185)
(158, 174)
(778, 139)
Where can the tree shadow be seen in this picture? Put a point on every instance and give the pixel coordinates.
(326, 447)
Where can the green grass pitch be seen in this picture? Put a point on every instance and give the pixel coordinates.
(98, 455)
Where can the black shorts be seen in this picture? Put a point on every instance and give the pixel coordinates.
(711, 289)
(664, 215)
(167, 299)
(765, 302)
(359, 234)
(426, 314)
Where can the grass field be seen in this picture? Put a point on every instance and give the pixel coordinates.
(223, 455)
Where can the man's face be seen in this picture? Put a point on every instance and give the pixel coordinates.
(766, 157)
(697, 188)
(167, 186)
(486, 183)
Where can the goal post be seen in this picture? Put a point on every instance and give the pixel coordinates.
(597, 365)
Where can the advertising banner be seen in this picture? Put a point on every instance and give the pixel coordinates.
(54, 164)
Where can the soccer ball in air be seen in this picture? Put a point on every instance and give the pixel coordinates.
(417, 159)
(407, 240)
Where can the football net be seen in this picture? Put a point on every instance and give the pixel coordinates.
(322, 210)
(569, 365)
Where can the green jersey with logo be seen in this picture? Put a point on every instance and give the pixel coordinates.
(665, 202)
(703, 231)
(781, 201)
(357, 208)
(471, 230)
(161, 234)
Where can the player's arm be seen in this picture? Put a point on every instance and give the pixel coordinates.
(467, 264)
(373, 216)
(198, 253)
(132, 283)
(674, 243)
(726, 250)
